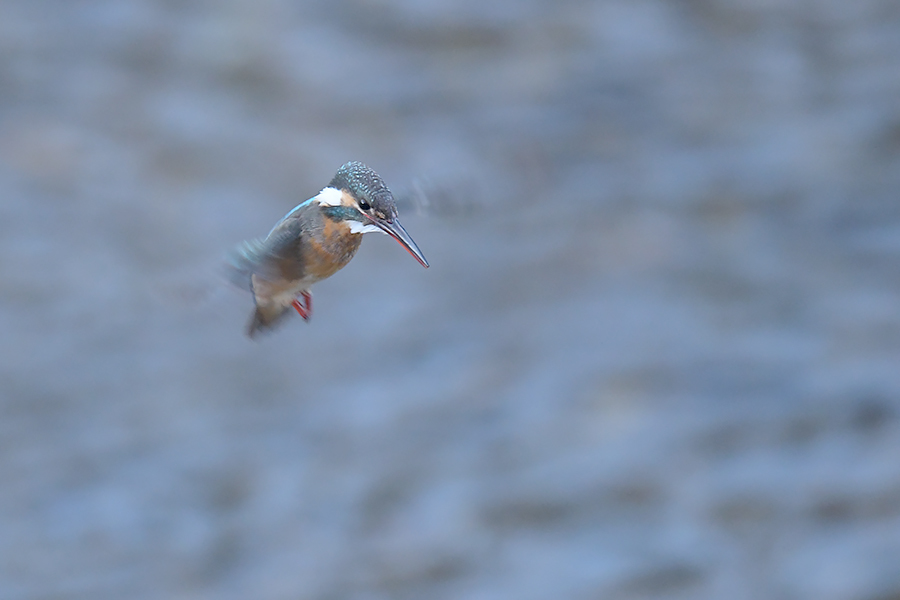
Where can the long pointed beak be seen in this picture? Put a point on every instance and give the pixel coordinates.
(396, 231)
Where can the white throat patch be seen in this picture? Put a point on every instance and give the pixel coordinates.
(329, 197)
(357, 227)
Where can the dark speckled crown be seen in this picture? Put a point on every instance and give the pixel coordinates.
(365, 184)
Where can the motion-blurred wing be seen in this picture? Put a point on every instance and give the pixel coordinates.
(272, 258)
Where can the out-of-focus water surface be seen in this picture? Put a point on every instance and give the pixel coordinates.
(657, 354)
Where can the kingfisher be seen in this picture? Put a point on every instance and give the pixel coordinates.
(313, 241)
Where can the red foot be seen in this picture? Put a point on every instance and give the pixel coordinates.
(304, 309)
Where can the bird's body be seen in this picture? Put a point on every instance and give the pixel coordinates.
(314, 241)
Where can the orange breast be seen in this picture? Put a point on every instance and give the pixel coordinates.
(327, 253)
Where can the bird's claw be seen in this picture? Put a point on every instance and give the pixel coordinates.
(304, 309)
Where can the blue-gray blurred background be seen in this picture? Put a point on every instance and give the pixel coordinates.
(657, 354)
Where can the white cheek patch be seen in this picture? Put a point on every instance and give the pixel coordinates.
(329, 197)
(357, 227)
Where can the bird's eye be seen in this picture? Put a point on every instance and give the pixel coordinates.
(364, 205)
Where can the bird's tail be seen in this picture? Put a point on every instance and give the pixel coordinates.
(266, 317)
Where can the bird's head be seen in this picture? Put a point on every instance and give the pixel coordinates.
(367, 205)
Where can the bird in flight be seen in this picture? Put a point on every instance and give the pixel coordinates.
(314, 241)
